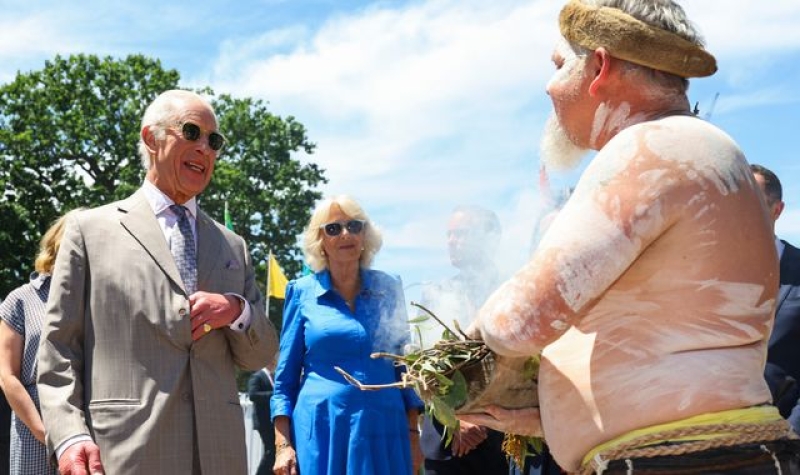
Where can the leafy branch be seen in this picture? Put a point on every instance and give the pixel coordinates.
(436, 375)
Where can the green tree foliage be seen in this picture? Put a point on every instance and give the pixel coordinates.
(68, 137)
(269, 193)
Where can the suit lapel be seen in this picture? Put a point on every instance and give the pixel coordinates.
(137, 217)
(783, 292)
(208, 246)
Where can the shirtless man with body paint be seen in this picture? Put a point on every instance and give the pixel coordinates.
(652, 293)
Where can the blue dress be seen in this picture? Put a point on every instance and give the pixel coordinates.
(338, 429)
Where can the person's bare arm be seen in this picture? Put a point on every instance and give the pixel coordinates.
(11, 348)
(285, 455)
(618, 208)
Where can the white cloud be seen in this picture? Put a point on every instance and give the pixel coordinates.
(415, 103)
(744, 28)
(771, 95)
(34, 36)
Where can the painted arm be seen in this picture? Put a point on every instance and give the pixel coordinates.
(616, 211)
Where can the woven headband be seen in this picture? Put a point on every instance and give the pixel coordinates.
(633, 40)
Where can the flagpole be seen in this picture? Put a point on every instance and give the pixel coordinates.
(269, 264)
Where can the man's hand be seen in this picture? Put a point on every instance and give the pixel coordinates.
(214, 310)
(525, 422)
(468, 437)
(472, 331)
(82, 458)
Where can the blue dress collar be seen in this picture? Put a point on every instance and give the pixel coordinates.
(325, 283)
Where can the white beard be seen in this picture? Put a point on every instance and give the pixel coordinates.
(557, 151)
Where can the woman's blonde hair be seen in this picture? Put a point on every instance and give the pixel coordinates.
(50, 244)
(312, 236)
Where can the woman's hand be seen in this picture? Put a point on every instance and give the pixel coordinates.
(525, 421)
(285, 460)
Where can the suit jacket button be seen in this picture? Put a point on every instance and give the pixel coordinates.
(182, 312)
(185, 396)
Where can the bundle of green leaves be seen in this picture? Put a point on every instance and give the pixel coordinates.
(437, 375)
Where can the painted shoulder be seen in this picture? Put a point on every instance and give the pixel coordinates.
(679, 146)
(679, 136)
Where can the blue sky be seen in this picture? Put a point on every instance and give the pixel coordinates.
(418, 106)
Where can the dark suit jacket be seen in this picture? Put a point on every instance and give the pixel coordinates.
(783, 358)
(259, 389)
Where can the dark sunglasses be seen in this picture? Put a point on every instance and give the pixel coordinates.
(354, 226)
(192, 133)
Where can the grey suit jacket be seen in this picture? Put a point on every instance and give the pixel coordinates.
(117, 360)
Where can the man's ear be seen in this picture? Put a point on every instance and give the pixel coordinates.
(149, 139)
(599, 65)
(777, 209)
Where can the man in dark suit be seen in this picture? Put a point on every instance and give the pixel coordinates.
(152, 306)
(473, 234)
(783, 357)
(259, 389)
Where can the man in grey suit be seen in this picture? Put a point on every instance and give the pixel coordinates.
(138, 349)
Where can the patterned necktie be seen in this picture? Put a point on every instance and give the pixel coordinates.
(183, 249)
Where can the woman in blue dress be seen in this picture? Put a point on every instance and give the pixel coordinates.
(339, 316)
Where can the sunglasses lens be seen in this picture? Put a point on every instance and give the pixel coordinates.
(215, 141)
(333, 229)
(355, 227)
(191, 131)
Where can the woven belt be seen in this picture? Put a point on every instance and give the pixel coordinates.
(725, 435)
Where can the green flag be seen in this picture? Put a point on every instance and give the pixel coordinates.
(228, 220)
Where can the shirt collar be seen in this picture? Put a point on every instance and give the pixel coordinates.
(779, 245)
(38, 280)
(161, 202)
(325, 284)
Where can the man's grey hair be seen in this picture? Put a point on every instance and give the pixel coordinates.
(163, 112)
(664, 14)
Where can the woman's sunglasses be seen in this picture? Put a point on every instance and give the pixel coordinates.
(354, 226)
(192, 133)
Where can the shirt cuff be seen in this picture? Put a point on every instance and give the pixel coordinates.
(243, 322)
(70, 442)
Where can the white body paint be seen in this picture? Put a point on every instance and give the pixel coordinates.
(651, 293)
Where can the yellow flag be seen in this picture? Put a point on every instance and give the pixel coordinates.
(276, 280)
